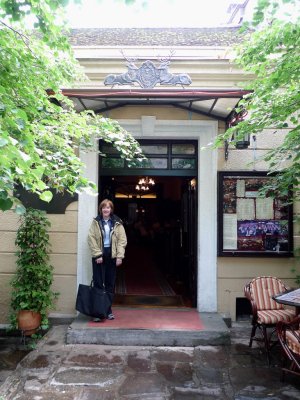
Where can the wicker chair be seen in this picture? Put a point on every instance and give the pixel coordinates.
(266, 312)
(289, 338)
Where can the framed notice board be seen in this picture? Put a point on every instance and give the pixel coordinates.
(250, 225)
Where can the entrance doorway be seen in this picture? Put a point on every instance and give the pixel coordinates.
(160, 267)
(201, 132)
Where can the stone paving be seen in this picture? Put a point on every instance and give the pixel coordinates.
(11, 353)
(56, 370)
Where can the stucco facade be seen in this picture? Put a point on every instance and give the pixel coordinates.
(220, 279)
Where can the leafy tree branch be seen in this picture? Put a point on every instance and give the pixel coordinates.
(271, 52)
(39, 140)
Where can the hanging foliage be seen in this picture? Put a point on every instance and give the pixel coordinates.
(40, 131)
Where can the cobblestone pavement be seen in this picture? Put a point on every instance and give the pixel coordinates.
(56, 370)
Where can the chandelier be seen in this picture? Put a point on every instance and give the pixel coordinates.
(145, 183)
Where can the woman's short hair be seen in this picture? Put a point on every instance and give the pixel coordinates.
(105, 203)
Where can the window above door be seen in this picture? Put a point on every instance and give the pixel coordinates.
(173, 156)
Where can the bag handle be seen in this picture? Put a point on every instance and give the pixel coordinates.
(103, 277)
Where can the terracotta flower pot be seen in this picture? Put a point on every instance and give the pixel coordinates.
(28, 321)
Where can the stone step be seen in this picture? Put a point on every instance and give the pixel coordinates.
(211, 329)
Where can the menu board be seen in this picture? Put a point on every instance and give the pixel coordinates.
(249, 224)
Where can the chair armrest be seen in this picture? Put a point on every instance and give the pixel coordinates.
(295, 322)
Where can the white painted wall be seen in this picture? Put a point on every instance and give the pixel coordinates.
(87, 210)
(149, 128)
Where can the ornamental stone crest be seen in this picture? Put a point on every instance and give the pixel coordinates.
(147, 75)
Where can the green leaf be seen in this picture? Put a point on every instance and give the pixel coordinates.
(3, 142)
(20, 209)
(46, 196)
(38, 172)
(2, 108)
(5, 204)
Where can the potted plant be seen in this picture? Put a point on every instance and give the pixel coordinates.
(32, 295)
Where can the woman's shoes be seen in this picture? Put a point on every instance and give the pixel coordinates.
(109, 317)
(98, 319)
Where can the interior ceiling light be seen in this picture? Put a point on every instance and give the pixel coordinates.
(145, 183)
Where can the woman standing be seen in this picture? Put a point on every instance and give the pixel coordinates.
(107, 241)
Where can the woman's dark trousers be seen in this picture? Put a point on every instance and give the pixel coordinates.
(105, 273)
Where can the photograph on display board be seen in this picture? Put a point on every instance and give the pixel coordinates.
(253, 185)
(262, 235)
(229, 190)
(281, 209)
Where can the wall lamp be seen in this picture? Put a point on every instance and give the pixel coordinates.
(240, 144)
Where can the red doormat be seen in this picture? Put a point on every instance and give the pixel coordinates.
(157, 319)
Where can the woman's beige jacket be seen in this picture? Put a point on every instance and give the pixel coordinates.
(118, 238)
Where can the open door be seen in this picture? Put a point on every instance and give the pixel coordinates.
(157, 201)
(160, 267)
(189, 238)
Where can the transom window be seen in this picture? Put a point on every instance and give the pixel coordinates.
(173, 157)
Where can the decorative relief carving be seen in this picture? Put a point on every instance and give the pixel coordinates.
(147, 75)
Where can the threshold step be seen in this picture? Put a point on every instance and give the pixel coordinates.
(151, 327)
